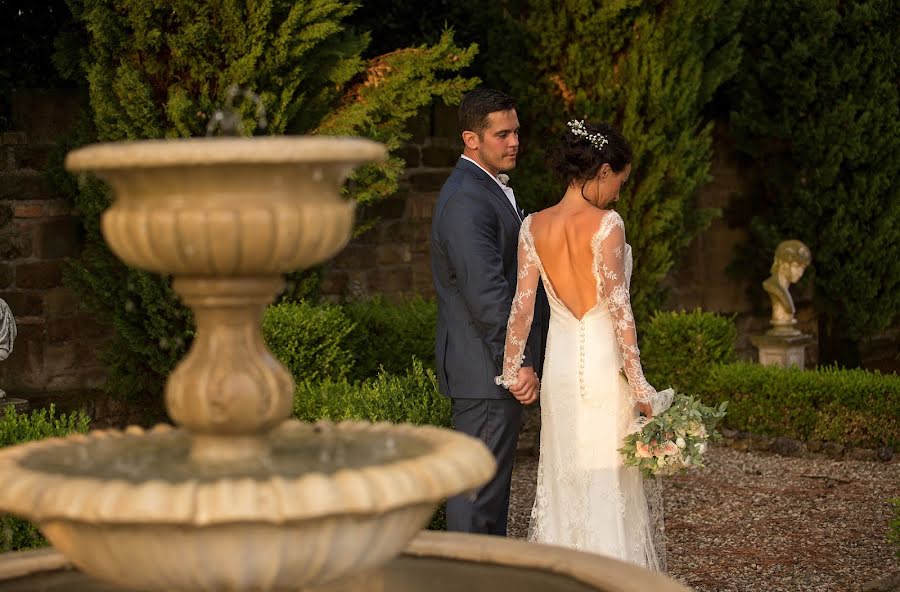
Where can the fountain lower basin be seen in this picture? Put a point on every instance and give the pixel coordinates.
(433, 561)
(133, 508)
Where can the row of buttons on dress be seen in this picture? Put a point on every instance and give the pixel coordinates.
(581, 359)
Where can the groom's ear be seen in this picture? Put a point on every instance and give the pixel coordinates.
(471, 140)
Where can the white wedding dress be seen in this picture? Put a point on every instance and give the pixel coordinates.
(586, 499)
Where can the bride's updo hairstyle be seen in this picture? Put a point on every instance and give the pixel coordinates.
(577, 158)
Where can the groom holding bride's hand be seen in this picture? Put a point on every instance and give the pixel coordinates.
(474, 243)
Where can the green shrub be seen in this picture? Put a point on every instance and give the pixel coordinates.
(679, 349)
(15, 428)
(852, 407)
(894, 533)
(410, 398)
(310, 340)
(655, 80)
(387, 335)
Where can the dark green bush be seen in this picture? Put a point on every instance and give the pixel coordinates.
(17, 428)
(410, 398)
(312, 341)
(387, 335)
(852, 407)
(679, 349)
(815, 107)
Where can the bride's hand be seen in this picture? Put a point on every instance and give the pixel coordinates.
(646, 409)
(527, 388)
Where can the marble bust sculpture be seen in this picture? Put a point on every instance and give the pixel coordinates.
(791, 259)
(7, 332)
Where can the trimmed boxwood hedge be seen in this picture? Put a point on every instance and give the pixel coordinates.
(356, 340)
(851, 407)
(17, 428)
(409, 398)
(310, 340)
(387, 334)
(678, 349)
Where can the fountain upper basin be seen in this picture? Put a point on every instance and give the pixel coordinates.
(227, 206)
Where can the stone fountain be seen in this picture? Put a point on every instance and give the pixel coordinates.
(237, 496)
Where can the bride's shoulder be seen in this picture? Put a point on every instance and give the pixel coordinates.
(609, 220)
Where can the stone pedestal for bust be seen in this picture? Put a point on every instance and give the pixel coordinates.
(782, 347)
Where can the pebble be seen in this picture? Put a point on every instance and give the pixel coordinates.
(759, 521)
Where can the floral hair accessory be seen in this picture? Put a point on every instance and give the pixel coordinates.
(597, 140)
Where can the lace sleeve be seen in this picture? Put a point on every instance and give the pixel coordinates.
(521, 312)
(612, 283)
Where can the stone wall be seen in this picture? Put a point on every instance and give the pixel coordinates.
(702, 280)
(57, 344)
(392, 256)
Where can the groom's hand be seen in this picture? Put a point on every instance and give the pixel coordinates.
(527, 387)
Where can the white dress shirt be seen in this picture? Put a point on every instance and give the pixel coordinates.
(506, 190)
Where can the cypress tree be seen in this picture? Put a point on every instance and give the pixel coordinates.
(816, 109)
(160, 69)
(650, 68)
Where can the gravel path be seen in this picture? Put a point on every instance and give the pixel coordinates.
(761, 522)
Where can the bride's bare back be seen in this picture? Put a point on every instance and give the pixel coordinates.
(562, 239)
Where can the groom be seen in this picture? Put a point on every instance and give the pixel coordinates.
(474, 244)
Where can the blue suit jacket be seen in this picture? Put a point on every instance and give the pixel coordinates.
(474, 244)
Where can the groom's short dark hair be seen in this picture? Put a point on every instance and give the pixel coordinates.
(478, 104)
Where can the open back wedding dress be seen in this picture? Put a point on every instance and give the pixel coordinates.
(586, 499)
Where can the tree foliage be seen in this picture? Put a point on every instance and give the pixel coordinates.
(650, 68)
(816, 108)
(160, 69)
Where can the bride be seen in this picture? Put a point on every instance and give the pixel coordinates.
(593, 385)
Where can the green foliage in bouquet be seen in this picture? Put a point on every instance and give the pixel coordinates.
(815, 107)
(160, 69)
(851, 407)
(676, 439)
(678, 349)
(17, 428)
(651, 69)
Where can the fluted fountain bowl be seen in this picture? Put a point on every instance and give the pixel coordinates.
(134, 509)
(226, 206)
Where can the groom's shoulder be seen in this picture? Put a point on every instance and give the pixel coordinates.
(462, 190)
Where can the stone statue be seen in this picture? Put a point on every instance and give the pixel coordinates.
(791, 259)
(7, 333)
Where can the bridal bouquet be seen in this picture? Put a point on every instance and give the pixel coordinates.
(674, 440)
